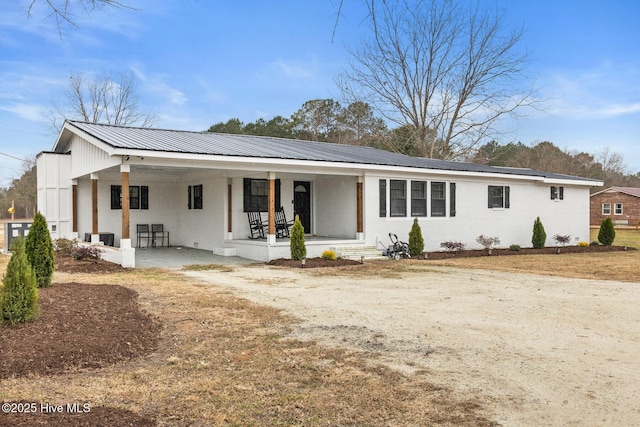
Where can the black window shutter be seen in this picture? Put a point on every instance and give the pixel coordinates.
(189, 197)
(490, 202)
(144, 197)
(507, 202)
(452, 200)
(553, 190)
(247, 194)
(383, 198)
(278, 202)
(116, 190)
(561, 192)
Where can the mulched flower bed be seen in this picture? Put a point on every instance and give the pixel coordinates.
(81, 327)
(312, 262)
(524, 251)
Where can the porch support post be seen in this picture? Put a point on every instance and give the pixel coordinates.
(271, 228)
(125, 240)
(74, 207)
(95, 237)
(359, 210)
(229, 209)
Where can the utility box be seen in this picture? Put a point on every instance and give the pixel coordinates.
(13, 230)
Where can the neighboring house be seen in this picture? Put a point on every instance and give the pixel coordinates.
(201, 187)
(621, 204)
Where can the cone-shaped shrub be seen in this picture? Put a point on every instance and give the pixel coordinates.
(19, 293)
(298, 248)
(416, 242)
(39, 249)
(539, 235)
(607, 233)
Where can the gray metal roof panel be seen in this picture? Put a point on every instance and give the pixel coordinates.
(279, 148)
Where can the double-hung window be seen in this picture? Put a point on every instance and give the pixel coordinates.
(418, 198)
(138, 197)
(438, 199)
(398, 197)
(606, 209)
(195, 197)
(256, 195)
(499, 197)
(557, 193)
(617, 208)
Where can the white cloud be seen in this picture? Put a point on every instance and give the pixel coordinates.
(31, 112)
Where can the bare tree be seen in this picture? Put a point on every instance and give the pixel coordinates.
(446, 71)
(64, 11)
(103, 98)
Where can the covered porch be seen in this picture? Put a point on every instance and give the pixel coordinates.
(207, 208)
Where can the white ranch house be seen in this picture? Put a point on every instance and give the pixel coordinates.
(200, 186)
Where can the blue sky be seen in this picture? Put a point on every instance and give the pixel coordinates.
(201, 62)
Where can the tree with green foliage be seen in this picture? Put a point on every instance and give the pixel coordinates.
(19, 293)
(298, 248)
(607, 233)
(39, 250)
(416, 242)
(539, 235)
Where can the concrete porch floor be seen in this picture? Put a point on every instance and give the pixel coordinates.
(177, 256)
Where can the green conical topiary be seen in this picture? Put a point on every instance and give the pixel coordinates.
(19, 293)
(39, 250)
(539, 237)
(298, 248)
(416, 242)
(607, 233)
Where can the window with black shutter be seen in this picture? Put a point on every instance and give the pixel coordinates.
(452, 199)
(398, 197)
(194, 193)
(138, 197)
(498, 197)
(256, 195)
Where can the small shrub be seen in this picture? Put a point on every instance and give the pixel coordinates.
(514, 247)
(416, 242)
(562, 240)
(64, 246)
(607, 233)
(86, 251)
(19, 293)
(539, 236)
(594, 243)
(39, 250)
(487, 241)
(296, 243)
(329, 255)
(583, 244)
(452, 246)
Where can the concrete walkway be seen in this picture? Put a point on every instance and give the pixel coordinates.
(174, 257)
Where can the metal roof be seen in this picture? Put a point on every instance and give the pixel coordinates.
(249, 146)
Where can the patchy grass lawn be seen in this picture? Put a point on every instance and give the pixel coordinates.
(624, 237)
(222, 361)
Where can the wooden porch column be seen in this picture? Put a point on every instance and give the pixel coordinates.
(271, 228)
(74, 206)
(359, 207)
(94, 204)
(126, 221)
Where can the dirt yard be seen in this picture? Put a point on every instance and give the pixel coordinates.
(537, 350)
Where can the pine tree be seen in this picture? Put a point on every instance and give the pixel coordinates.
(607, 233)
(539, 237)
(298, 248)
(416, 242)
(19, 293)
(39, 250)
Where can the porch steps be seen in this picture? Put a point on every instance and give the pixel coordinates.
(357, 252)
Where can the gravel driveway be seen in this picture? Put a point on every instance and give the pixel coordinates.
(537, 350)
